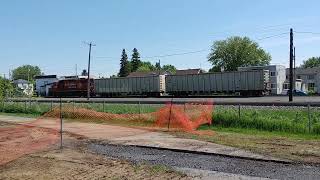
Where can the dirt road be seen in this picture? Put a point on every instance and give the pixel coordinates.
(71, 163)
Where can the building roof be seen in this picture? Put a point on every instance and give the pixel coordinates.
(45, 76)
(259, 67)
(306, 71)
(189, 71)
(145, 74)
(21, 81)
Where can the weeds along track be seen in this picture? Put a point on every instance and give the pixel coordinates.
(186, 117)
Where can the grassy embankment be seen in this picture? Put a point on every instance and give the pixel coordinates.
(280, 132)
(295, 121)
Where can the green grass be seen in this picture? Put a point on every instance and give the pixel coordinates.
(270, 119)
(266, 134)
(41, 108)
(24, 108)
(120, 108)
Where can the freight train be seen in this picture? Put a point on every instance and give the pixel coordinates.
(246, 83)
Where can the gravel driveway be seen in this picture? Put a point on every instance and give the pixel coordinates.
(208, 162)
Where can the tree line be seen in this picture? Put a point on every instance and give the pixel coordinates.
(137, 65)
(227, 55)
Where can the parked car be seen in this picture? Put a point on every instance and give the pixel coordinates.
(298, 93)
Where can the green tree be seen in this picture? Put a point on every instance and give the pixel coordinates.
(124, 64)
(135, 60)
(169, 68)
(146, 66)
(26, 72)
(158, 66)
(237, 52)
(6, 88)
(311, 62)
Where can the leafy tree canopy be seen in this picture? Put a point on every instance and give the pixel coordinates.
(6, 88)
(26, 72)
(146, 66)
(169, 68)
(311, 62)
(237, 52)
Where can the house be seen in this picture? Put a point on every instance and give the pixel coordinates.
(277, 76)
(146, 74)
(43, 83)
(309, 77)
(189, 71)
(25, 86)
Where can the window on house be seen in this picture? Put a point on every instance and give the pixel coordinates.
(311, 86)
(272, 73)
(287, 77)
(286, 86)
(311, 76)
(273, 86)
(298, 77)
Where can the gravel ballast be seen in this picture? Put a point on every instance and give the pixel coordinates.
(208, 162)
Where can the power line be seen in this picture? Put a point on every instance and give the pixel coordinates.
(177, 54)
(307, 32)
(273, 36)
(160, 56)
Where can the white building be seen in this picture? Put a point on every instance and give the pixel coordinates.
(277, 76)
(43, 83)
(309, 77)
(25, 86)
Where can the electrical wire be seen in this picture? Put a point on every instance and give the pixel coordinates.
(307, 32)
(273, 36)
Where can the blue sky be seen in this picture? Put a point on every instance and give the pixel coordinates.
(50, 34)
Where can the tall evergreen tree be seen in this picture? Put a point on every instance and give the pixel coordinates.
(135, 60)
(124, 64)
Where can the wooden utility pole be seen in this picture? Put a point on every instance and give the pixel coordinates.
(294, 67)
(291, 67)
(89, 59)
(159, 67)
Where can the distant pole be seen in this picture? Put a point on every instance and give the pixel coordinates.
(28, 74)
(76, 69)
(60, 123)
(291, 67)
(294, 67)
(159, 67)
(89, 59)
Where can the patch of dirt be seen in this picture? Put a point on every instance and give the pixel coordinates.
(17, 140)
(75, 164)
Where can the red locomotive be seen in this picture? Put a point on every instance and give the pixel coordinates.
(71, 88)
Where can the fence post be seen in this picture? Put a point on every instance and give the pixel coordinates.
(170, 114)
(139, 109)
(73, 107)
(25, 106)
(309, 118)
(3, 105)
(239, 111)
(60, 123)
